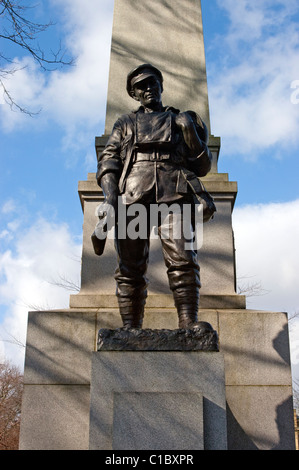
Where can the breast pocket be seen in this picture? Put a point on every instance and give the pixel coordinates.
(125, 145)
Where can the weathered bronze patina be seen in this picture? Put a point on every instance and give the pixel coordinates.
(135, 339)
(155, 155)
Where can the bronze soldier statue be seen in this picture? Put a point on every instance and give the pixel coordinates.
(155, 155)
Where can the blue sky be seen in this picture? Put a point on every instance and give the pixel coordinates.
(252, 50)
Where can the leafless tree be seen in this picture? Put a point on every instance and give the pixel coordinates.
(10, 338)
(11, 388)
(17, 29)
(250, 288)
(296, 394)
(293, 315)
(65, 283)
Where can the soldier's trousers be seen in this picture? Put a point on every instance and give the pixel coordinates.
(133, 254)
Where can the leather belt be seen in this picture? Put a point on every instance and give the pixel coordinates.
(152, 157)
(155, 157)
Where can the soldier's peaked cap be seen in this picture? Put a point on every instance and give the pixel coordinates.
(140, 73)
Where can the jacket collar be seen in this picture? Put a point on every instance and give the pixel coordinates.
(164, 109)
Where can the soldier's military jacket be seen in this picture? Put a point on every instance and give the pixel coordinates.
(147, 150)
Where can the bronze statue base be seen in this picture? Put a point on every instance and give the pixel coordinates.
(134, 339)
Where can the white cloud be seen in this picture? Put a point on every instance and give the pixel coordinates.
(250, 91)
(24, 86)
(266, 238)
(73, 97)
(8, 206)
(249, 18)
(43, 253)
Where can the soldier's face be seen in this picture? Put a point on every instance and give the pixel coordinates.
(148, 92)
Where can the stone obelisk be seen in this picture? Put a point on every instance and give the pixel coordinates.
(254, 344)
(169, 35)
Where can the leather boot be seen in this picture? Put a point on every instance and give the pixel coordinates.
(131, 312)
(187, 301)
(131, 302)
(187, 316)
(188, 321)
(131, 318)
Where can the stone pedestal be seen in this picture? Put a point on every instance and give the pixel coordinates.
(58, 367)
(154, 400)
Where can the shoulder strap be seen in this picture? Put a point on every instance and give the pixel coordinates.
(129, 148)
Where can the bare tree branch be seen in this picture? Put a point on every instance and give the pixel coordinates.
(16, 28)
(12, 103)
(293, 315)
(65, 283)
(13, 340)
(251, 289)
